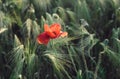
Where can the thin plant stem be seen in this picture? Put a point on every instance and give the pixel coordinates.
(84, 61)
(83, 56)
(98, 65)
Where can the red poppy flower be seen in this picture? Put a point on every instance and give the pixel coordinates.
(54, 31)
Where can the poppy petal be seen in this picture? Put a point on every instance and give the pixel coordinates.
(43, 38)
(49, 31)
(47, 28)
(55, 28)
(51, 34)
(63, 34)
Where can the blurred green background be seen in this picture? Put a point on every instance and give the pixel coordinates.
(90, 51)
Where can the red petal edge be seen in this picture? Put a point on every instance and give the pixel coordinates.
(43, 38)
(63, 34)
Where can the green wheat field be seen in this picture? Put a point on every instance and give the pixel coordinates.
(89, 49)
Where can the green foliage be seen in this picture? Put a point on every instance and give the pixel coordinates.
(114, 51)
(93, 39)
(79, 76)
